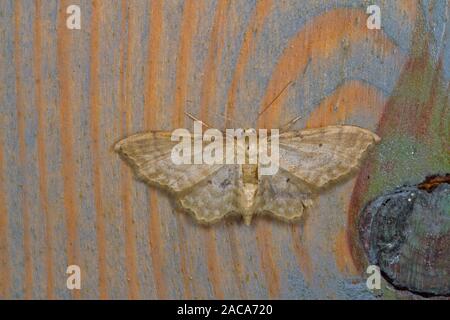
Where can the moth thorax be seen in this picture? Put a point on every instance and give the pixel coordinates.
(250, 173)
(250, 188)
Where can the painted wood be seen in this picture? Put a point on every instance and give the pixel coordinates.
(66, 96)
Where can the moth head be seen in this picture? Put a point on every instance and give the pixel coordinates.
(239, 133)
(250, 131)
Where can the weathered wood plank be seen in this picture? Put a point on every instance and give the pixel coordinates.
(66, 96)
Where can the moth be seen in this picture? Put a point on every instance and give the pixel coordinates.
(310, 160)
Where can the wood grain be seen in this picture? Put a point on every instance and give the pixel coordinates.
(66, 96)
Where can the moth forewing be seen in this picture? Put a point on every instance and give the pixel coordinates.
(325, 155)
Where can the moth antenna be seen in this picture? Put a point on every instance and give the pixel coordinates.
(285, 87)
(290, 124)
(274, 99)
(195, 119)
(203, 123)
(223, 116)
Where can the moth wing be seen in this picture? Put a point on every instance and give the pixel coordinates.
(324, 155)
(283, 196)
(215, 197)
(149, 154)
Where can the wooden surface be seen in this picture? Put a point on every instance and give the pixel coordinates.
(66, 96)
